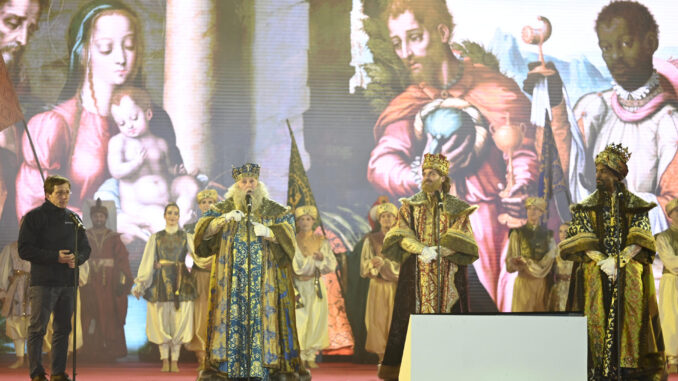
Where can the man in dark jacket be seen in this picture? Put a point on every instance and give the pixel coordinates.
(47, 239)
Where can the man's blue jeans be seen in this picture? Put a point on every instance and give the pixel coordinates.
(44, 301)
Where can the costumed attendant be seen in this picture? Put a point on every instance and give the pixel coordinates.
(201, 271)
(16, 309)
(531, 253)
(667, 248)
(169, 289)
(558, 297)
(313, 259)
(104, 297)
(383, 275)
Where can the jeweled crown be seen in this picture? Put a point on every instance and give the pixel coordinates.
(248, 170)
(438, 162)
(615, 156)
(619, 150)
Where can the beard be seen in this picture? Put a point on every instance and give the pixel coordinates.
(431, 186)
(11, 53)
(240, 197)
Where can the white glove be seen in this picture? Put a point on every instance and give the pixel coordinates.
(136, 291)
(609, 267)
(428, 254)
(262, 230)
(234, 215)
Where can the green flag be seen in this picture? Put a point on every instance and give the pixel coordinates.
(298, 188)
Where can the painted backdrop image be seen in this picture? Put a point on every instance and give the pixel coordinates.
(145, 102)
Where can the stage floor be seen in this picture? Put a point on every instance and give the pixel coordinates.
(135, 371)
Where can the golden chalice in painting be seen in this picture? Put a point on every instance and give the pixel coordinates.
(508, 138)
(537, 36)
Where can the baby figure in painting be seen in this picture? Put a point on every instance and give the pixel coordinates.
(140, 161)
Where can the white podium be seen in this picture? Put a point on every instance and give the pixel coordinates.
(495, 347)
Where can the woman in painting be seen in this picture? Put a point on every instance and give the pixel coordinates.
(105, 47)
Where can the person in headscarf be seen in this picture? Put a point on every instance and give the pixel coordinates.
(531, 253)
(667, 248)
(313, 260)
(383, 275)
(104, 297)
(201, 271)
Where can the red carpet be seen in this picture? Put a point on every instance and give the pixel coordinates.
(133, 371)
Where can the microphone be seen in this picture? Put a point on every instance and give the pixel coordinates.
(439, 197)
(620, 189)
(76, 220)
(248, 199)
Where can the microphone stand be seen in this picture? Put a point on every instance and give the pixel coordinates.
(619, 195)
(248, 197)
(76, 276)
(439, 206)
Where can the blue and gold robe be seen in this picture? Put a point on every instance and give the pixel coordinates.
(266, 301)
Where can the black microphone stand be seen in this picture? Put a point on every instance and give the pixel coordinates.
(248, 198)
(76, 276)
(620, 198)
(439, 207)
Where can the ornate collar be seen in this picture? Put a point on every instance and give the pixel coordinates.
(639, 93)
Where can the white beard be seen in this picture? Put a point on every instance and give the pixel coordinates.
(258, 196)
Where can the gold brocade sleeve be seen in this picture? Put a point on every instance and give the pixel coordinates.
(460, 239)
(513, 251)
(400, 242)
(286, 243)
(580, 237)
(575, 247)
(640, 233)
(642, 238)
(411, 245)
(205, 247)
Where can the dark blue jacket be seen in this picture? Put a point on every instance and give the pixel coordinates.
(44, 231)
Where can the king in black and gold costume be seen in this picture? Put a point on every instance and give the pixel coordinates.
(614, 222)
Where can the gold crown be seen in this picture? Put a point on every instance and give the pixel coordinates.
(615, 156)
(438, 162)
(619, 150)
(249, 170)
